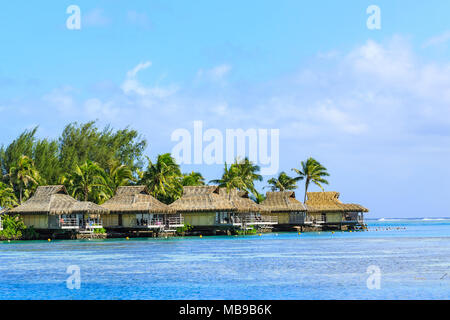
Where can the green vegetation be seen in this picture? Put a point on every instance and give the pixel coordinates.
(283, 182)
(241, 175)
(15, 229)
(92, 163)
(312, 171)
(100, 230)
(250, 231)
(186, 227)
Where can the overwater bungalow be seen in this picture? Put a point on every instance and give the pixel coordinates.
(132, 207)
(289, 211)
(326, 208)
(205, 209)
(51, 208)
(249, 212)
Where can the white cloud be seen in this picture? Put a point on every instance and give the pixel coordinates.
(437, 40)
(95, 108)
(62, 99)
(132, 86)
(216, 73)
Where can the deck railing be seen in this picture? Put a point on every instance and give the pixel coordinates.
(260, 220)
(358, 218)
(93, 224)
(175, 221)
(69, 223)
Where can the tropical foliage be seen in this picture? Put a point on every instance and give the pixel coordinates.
(312, 171)
(88, 183)
(242, 175)
(77, 144)
(15, 229)
(23, 177)
(192, 179)
(163, 178)
(283, 182)
(8, 198)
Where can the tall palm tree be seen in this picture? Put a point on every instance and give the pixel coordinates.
(312, 171)
(7, 197)
(193, 179)
(87, 182)
(231, 178)
(283, 182)
(117, 176)
(163, 178)
(242, 175)
(23, 177)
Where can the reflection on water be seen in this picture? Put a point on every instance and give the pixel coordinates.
(413, 255)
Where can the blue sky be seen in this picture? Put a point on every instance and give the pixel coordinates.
(372, 105)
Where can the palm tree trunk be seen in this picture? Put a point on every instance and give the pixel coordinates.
(20, 195)
(306, 189)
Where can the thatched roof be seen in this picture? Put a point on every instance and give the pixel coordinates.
(201, 199)
(241, 200)
(55, 200)
(329, 202)
(135, 199)
(282, 201)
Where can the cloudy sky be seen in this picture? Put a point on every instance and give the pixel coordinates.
(372, 105)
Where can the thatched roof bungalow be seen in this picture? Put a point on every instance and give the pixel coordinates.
(327, 208)
(52, 208)
(134, 206)
(241, 201)
(286, 207)
(250, 212)
(204, 206)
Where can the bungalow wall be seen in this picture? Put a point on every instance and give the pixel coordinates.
(129, 220)
(37, 221)
(283, 217)
(331, 217)
(334, 217)
(110, 220)
(200, 218)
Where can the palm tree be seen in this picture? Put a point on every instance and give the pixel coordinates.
(87, 182)
(117, 176)
(242, 175)
(192, 179)
(312, 171)
(7, 197)
(23, 177)
(283, 182)
(163, 178)
(258, 197)
(231, 178)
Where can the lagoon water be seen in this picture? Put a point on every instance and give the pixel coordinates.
(412, 255)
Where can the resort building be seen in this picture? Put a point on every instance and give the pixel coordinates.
(326, 208)
(205, 209)
(289, 211)
(249, 212)
(51, 209)
(133, 208)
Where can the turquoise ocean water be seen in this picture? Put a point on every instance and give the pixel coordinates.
(413, 257)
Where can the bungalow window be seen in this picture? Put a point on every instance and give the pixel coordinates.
(223, 217)
(148, 219)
